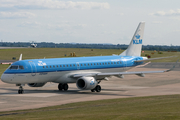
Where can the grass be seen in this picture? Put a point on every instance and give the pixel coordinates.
(35, 53)
(3, 68)
(156, 108)
(32, 53)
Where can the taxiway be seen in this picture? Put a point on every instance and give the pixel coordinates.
(131, 86)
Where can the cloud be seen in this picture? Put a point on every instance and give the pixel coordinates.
(15, 15)
(120, 14)
(101, 25)
(157, 22)
(51, 4)
(169, 13)
(66, 26)
(79, 26)
(30, 24)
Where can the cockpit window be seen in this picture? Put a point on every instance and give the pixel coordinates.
(21, 67)
(13, 67)
(16, 67)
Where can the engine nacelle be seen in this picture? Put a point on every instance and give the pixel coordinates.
(86, 83)
(36, 84)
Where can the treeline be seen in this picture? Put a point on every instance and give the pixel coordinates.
(91, 46)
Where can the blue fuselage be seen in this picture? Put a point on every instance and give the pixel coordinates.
(59, 70)
(71, 64)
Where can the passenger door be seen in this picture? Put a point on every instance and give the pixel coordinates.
(124, 64)
(33, 68)
(78, 65)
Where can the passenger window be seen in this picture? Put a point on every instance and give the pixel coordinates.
(22, 68)
(88, 64)
(105, 63)
(114, 62)
(94, 63)
(46, 66)
(97, 63)
(50, 66)
(57, 65)
(67, 65)
(63, 65)
(108, 63)
(43, 67)
(91, 64)
(70, 65)
(74, 65)
(81, 64)
(111, 62)
(100, 63)
(53, 66)
(84, 64)
(60, 66)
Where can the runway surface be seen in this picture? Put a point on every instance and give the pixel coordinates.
(7, 61)
(130, 86)
(12, 47)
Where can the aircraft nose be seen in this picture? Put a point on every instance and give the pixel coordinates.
(4, 78)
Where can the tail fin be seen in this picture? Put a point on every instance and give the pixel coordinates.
(134, 48)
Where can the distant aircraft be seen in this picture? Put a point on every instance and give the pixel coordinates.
(33, 45)
(86, 72)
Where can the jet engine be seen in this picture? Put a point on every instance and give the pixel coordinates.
(86, 83)
(36, 84)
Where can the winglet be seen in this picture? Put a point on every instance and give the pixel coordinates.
(172, 67)
(20, 57)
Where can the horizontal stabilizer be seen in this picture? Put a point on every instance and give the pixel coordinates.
(154, 59)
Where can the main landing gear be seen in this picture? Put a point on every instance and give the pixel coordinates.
(63, 86)
(20, 91)
(97, 89)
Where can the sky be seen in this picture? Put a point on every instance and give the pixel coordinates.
(89, 21)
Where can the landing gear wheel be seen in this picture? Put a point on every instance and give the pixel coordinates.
(20, 91)
(65, 87)
(93, 90)
(60, 87)
(98, 88)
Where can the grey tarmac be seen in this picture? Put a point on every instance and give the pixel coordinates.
(131, 86)
(12, 47)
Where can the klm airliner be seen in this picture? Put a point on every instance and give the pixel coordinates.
(86, 72)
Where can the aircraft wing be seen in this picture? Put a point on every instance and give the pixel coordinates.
(139, 73)
(116, 73)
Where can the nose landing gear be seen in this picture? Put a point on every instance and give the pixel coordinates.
(20, 91)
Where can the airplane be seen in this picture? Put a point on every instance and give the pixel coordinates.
(86, 72)
(33, 45)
